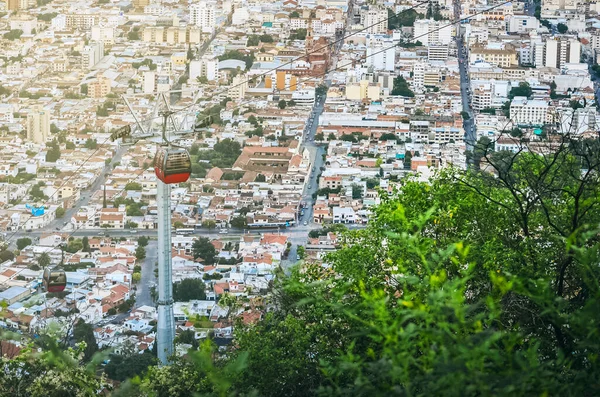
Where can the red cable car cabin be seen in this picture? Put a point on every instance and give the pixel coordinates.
(55, 280)
(172, 165)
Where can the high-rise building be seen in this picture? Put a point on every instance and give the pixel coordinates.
(375, 19)
(81, 21)
(140, 4)
(38, 125)
(561, 50)
(91, 54)
(381, 56)
(429, 31)
(99, 88)
(13, 5)
(238, 87)
(554, 8)
(203, 16)
(149, 81)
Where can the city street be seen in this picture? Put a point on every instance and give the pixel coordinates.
(463, 66)
(142, 296)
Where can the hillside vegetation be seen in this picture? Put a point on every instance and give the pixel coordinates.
(470, 285)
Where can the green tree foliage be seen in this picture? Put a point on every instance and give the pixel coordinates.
(248, 58)
(4, 91)
(282, 104)
(85, 244)
(140, 253)
(146, 62)
(47, 17)
(14, 34)
(209, 116)
(321, 90)
(23, 242)
(60, 212)
(209, 224)
(52, 373)
(202, 248)
(357, 191)
(84, 332)
(403, 18)
(562, 28)
(523, 89)
(53, 152)
(401, 87)
(239, 222)
(333, 228)
(91, 144)
(294, 14)
(132, 207)
(122, 367)
(223, 154)
(134, 34)
(189, 289)
(188, 337)
(44, 260)
(298, 34)
(37, 193)
(133, 186)
(260, 178)
(6, 255)
(142, 241)
(74, 246)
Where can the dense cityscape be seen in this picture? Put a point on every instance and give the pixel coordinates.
(301, 197)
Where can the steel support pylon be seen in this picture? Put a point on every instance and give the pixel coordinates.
(166, 321)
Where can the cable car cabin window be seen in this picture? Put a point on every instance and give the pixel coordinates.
(159, 158)
(178, 163)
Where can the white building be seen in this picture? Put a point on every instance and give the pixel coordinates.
(91, 54)
(206, 67)
(528, 112)
(381, 55)
(59, 23)
(103, 34)
(561, 50)
(149, 81)
(429, 31)
(522, 24)
(203, 16)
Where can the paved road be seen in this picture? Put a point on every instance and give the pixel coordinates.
(142, 296)
(463, 66)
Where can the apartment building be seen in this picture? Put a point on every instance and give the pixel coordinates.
(374, 19)
(560, 50)
(238, 87)
(38, 125)
(172, 35)
(429, 31)
(525, 112)
(81, 21)
(103, 34)
(437, 52)
(497, 54)
(203, 15)
(99, 88)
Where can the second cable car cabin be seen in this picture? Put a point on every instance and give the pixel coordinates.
(172, 165)
(54, 280)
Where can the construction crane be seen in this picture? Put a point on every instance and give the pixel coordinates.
(172, 164)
